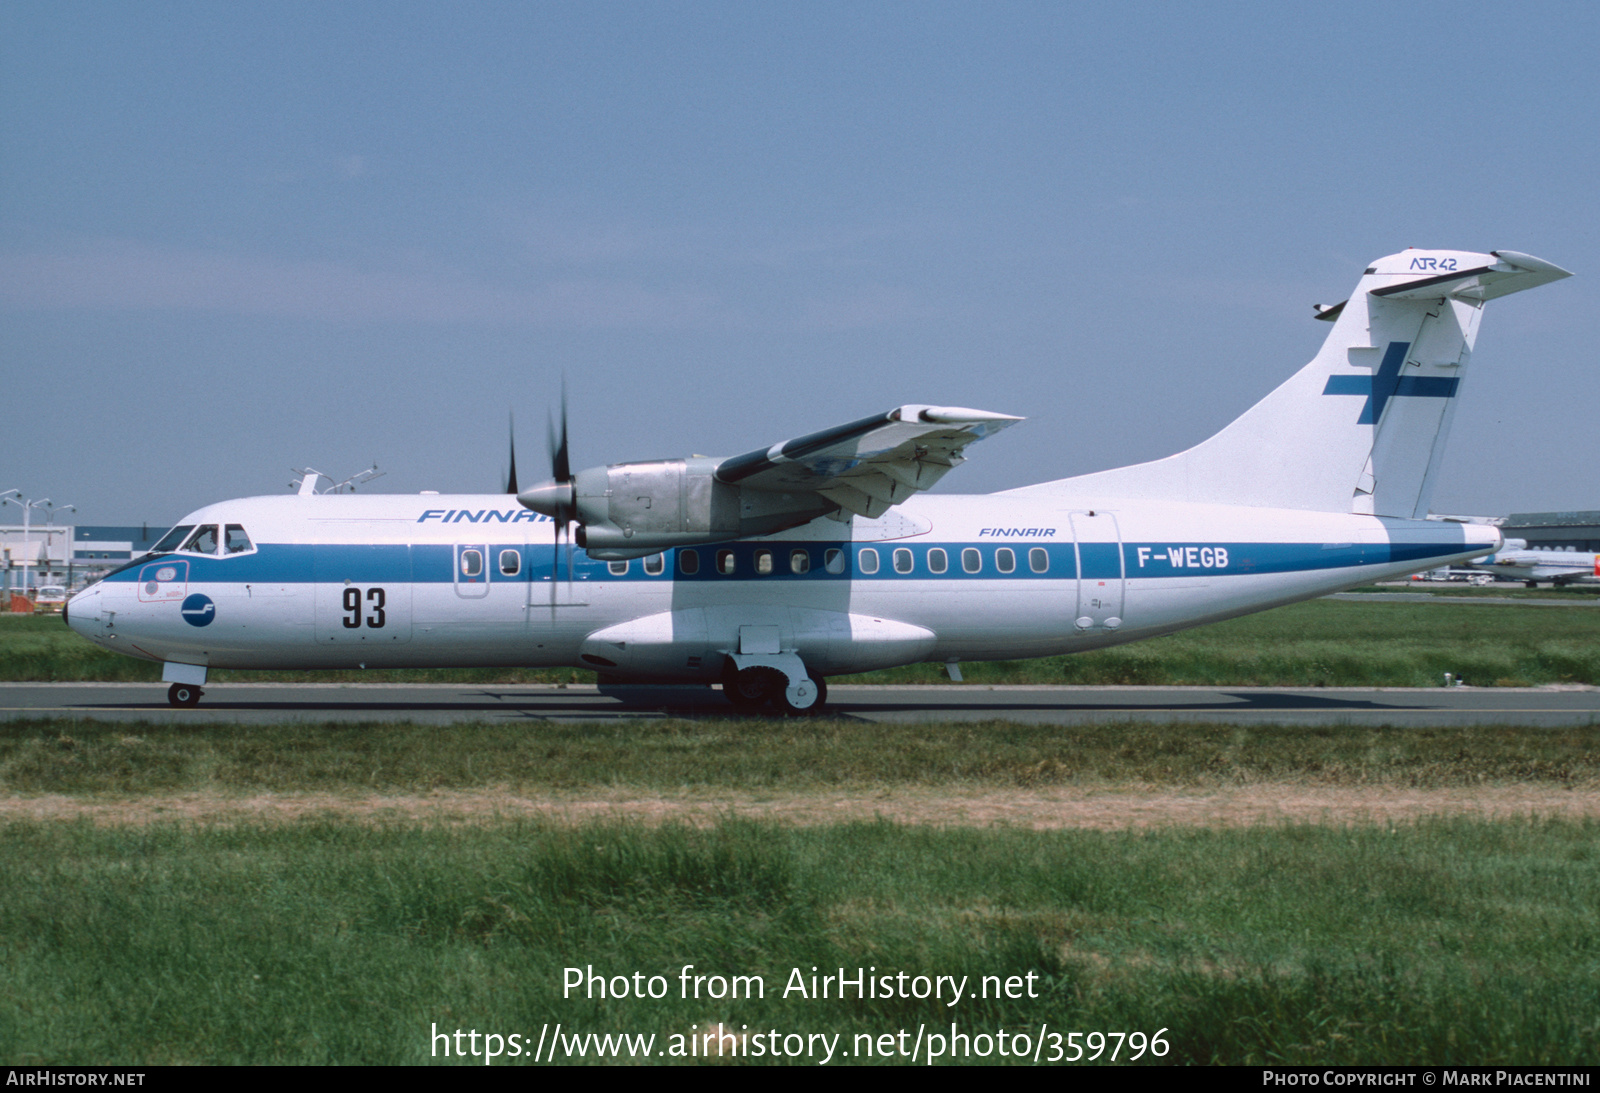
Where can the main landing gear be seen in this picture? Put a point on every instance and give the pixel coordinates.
(184, 694)
(759, 689)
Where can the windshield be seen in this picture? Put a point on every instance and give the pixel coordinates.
(203, 541)
(169, 542)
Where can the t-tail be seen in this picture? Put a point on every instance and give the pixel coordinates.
(1361, 428)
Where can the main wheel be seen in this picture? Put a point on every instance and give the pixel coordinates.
(754, 688)
(184, 694)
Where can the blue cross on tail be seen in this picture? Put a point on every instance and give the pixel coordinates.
(1387, 383)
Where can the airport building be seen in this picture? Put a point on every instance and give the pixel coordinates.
(40, 555)
(1554, 530)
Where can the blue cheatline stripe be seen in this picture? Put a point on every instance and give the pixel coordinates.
(438, 563)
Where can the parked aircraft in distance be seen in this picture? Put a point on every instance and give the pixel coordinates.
(770, 571)
(1515, 561)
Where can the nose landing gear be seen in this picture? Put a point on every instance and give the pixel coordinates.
(184, 694)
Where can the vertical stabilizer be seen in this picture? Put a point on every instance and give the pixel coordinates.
(1362, 427)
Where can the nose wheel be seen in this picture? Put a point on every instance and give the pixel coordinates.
(184, 694)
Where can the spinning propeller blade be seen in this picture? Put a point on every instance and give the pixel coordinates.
(511, 475)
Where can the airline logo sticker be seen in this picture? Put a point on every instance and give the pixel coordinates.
(198, 610)
(164, 582)
(1387, 383)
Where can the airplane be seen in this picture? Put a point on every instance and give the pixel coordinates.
(1515, 561)
(823, 555)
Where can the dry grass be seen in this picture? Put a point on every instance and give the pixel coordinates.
(1041, 810)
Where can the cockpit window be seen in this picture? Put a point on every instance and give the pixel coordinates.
(237, 541)
(203, 541)
(169, 542)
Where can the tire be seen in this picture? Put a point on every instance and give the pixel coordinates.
(184, 694)
(754, 688)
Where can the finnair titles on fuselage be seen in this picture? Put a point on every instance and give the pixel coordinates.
(818, 556)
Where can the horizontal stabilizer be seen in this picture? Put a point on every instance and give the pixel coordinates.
(1512, 272)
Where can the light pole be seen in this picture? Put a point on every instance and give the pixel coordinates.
(27, 524)
(49, 537)
(5, 495)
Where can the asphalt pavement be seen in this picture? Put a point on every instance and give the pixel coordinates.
(445, 704)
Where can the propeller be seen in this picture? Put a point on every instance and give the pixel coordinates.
(556, 498)
(511, 475)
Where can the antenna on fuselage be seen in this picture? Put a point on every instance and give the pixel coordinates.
(306, 486)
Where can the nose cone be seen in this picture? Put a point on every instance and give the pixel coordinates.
(82, 612)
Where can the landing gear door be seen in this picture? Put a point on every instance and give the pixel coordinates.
(1100, 570)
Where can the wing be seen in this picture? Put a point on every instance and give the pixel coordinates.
(868, 465)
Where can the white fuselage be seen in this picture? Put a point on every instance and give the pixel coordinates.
(476, 580)
(1559, 566)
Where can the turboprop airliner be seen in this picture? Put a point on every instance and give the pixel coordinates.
(822, 555)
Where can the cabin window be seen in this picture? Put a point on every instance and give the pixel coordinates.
(726, 562)
(171, 539)
(1005, 560)
(971, 560)
(1038, 560)
(510, 563)
(902, 560)
(618, 569)
(763, 563)
(236, 541)
(471, 563)
(688, 562)
(937, 562)
(833, 560)
(203, 541)
(869, 560)
(655, 564)
(799, 561)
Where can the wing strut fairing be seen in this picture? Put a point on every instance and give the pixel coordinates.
(862, 468)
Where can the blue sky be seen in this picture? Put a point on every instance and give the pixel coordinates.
(238, 239)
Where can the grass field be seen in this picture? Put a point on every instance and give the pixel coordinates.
(141, 929)
(93, 758)
(1461, 942)
(216, 893)
(1319, 643)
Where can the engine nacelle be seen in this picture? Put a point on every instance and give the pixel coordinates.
(628, 510)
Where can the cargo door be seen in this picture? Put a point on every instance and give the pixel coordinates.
(1100, 570)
